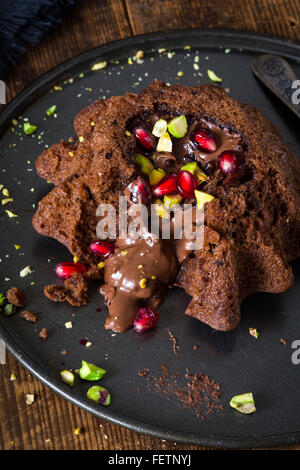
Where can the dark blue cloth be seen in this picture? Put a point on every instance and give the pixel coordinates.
(24, 22)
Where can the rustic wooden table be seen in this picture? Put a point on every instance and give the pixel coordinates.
(49, 423)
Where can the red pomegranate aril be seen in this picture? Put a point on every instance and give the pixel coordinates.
(144, 138)
(102, 249)
(140, 192)
(228, 162)
(187, 184)
(206, 141)
(168, 185)
(146, 318)
(65, 270)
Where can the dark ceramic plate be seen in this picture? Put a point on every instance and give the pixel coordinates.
(236, 360)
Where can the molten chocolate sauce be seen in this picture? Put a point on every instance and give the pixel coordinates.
(139, 271)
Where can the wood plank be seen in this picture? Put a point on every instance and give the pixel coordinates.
(281, 17)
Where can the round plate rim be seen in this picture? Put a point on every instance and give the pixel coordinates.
(259, 42)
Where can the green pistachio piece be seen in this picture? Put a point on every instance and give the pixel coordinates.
(214, 77)
(156, 176)
(178, 126)
(9, 310)
(160, 128)
(171, 200)
(51, 110)
(161, 209)
(90, 371)
(99, 395)
(2, 299)
(165, 143)
(243, 403)
(144, 164)
(29, 128)
(191, 167)
(67, 377)
(202, 198)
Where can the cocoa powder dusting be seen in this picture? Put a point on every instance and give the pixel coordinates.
(199, 393)
(176, 347)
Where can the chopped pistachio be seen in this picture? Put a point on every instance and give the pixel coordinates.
(100, 265)
(180, 73)
(92, 123)
(153, 277)
(25, 271)
(99, 66)
(88, 344)
(81, 138)
(227, 51)
(165, 143)
(253, 332)
(196, 66)
(200, 176)
(76, 259)
(77, 431)
(160, 128)
(89, 371)
(243, 403)
(156, 175)
(68, 325)
(17, 247)
(128, 133)
(171, 200)
(13, 377)
(191, 167)
(57, 88)
(6, 201)
(178, 126)
(202, 198)
(51, 110)
(71, 154)
(99, 395)
(14, 122)
(124, 253)
(29, 128)
(5, 192)
(187, 48)
(29, 398)
(1, 186)
(9, 310)
(2, 299)
(10, 213)
(144, 164)
(213, 77)
(161, 209)
(67, 377)
(143, 283)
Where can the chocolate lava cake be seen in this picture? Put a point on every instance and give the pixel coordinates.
(174, 144)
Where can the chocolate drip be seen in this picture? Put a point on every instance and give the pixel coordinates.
(140, 270)
(186, 149)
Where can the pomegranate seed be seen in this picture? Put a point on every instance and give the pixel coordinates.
(102, 249)
(228, 162)
(145, 319)
(206, 141)
(65, 270)
(140, 192)
(187, 184)
(168, 185)
(144, 138)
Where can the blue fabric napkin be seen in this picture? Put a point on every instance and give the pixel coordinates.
(24, 22)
